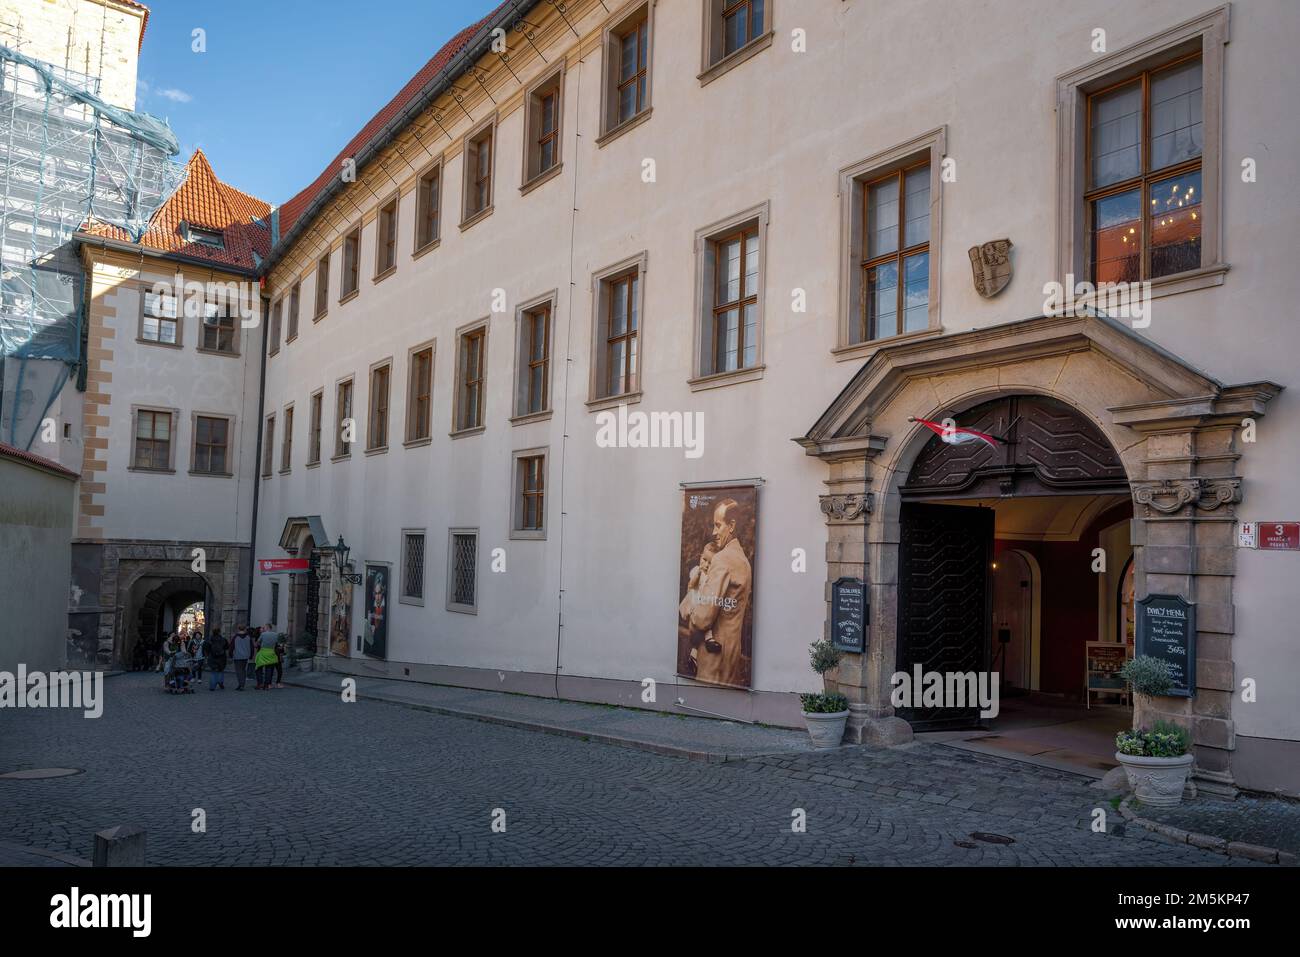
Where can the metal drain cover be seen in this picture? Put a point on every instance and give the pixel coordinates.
(988, 838)
(35, 774)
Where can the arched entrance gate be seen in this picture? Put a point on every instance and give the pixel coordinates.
(1173, 430)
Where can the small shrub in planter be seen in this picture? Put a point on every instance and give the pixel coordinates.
(1157, 761)
(824, 713)
(1164, 740)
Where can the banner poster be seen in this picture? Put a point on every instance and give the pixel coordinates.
(376, 634)
(341, 617)
(715, 616)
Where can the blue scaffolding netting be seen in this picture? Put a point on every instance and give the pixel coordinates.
(67, 157)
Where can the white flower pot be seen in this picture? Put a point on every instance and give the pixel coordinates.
(1157, 782)
(826, 730)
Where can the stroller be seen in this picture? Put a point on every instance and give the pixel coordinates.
(178, 678)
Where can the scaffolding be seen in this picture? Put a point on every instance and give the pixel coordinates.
(66, 158)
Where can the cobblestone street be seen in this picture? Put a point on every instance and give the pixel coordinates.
(299, 777)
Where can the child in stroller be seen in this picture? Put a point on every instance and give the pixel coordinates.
(178, 675)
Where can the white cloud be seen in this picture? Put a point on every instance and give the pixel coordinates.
(176, 96)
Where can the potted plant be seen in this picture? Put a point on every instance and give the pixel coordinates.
(824, 712)
(1156, 760)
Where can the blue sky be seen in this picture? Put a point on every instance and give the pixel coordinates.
(284, 84)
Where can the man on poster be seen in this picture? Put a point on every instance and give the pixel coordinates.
(720, 600)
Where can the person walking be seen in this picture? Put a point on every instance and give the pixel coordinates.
(240, 651)
(198, 654)
(266, 657)
(215, 650)
(280, 651)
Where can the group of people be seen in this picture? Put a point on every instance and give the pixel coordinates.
(183, 661)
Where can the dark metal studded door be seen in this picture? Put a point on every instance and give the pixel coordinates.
(944, 600)
(312, 601)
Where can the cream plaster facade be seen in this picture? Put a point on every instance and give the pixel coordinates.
(97, 38)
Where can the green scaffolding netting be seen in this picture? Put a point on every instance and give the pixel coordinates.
(66, 157)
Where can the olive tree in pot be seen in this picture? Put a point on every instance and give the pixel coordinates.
(825, 713)
(1155, 759)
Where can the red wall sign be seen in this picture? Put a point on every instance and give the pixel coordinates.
(1279, 535)
(282, 566)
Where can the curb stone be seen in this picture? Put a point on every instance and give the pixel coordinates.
(1253, 852)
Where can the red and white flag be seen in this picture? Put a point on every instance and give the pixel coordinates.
(954, 435)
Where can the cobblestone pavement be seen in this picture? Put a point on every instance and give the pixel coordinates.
(1265, 821)
(299, 777)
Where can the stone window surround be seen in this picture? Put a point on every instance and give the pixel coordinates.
(516, 493)
(346, 294)
(322, 301)
(438, 166)
(469, 150)
(713, 65)
(596, 399)
(408, 440)
(319, 426)
(554, 76)
(704, 292)
(266, 466)
(194, 437)
(402, 596)
(350, 380)
(275, 327)
(852, 179)
(623, 17)
(395, 201)
(457, 432)
(172, 442)
(521, 360)
(286, 439)
(385, 363)
(180, 320)
(451, 570)
(1208, 32)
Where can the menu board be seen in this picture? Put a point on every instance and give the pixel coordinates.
(849, 615)
(1166, 629)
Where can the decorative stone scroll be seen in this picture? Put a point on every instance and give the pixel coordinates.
(1168, 496)
(847, 507)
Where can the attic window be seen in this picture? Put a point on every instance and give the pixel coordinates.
(208, 237)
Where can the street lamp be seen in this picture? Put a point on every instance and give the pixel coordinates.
(341, 552)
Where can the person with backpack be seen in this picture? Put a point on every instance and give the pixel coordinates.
(240, 651)
(266, 657)
(216, 649)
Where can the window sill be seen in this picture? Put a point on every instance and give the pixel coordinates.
(266, 476)
(861, 350)
(350, 296)
(199, 474)
(528, 534)
(153, 342)
(629, 124)
(320, 315)
(217, 352)
(381, 276)
(417, 443)
(403, 600)
(314, 465)
(482, 214)
(289, 340)
(273, 353)
(1188, 281)
(736, 57)
(426, 248)
(341, 458)
(540, 178)
(286, 471)
(377, 450)
(531, 417)
(465, 433)
(613, 401)
(462, 609)
(138, 468)
(720, 379)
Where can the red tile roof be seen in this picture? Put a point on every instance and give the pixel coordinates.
(203, 200)
(31, 458)
(294, 208)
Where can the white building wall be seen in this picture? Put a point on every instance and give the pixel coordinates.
(775, 129)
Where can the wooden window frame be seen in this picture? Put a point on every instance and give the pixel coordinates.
(413, 398)
(715, 60)
(352, 235)
(205, 327)
(277, 318)
(624, 21)
(295, 306)
(1208, 33)
(379, 405)
(286, 440)
(343, 450)
(520, 492)
(548, 85)
(136, 411)
(315, 424)
(179, 320)
(929, 147)
(452, 605)
(525, 365)
(422, 244)
(268, 445)
(402, 595)
(322, 286)
(706, 243)
(477, 329)
(389, 209)
(194, 444)
(598, 396)
(470, 180)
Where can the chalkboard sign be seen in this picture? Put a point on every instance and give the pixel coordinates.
(1166, 629)
(849, 615)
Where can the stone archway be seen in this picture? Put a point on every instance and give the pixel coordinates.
(1173, 428)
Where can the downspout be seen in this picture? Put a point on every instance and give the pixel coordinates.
(257, 461)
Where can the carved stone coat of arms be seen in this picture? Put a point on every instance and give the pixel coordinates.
(991, 264)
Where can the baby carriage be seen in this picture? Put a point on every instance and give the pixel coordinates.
(179, 675)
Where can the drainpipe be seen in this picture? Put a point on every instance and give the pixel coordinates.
(257, 460)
